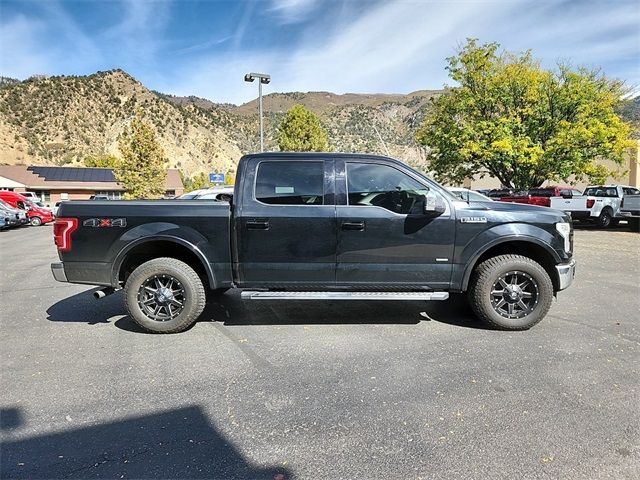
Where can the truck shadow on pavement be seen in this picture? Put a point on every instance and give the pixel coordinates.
(179, 443)
(230, 310)
(84, 308)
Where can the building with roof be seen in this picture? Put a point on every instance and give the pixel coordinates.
(52, 184)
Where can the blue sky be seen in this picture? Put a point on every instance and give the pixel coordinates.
(189, 47)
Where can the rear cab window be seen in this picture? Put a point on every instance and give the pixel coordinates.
(290, 183)
(542, 192)
(608, 192)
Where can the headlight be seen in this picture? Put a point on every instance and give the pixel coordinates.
(564, 229)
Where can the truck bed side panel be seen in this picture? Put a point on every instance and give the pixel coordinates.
(200, 224)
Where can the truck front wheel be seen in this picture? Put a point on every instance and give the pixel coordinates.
(164, 295)
(510, 292)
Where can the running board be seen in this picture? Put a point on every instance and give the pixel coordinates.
(262, 295)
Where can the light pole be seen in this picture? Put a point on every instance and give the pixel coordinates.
(262, 78)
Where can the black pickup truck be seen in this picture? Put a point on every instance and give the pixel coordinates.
(318, 226)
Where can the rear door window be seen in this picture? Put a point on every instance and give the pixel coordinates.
(290, 183)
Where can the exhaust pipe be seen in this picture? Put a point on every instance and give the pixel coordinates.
(103, 292)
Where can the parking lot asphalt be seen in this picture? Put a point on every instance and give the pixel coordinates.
(283, 390)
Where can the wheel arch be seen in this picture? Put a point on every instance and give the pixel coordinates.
(527, 246)
(147, 248)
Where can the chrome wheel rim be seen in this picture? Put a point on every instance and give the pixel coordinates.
(514, 294)
(161, 298)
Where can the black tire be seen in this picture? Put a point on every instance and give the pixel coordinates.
(489, 276)
(605, 220)
(191, 296)
(634, 224)
(36, 221)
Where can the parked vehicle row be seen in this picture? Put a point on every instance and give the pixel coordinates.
(602, 205)
(598, 204)
(23, 210)
(541, 196)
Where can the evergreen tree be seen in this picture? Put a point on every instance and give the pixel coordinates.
(300, 131)
(142, 170)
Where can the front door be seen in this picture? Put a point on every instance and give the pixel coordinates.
(286, 230)
(385, 239)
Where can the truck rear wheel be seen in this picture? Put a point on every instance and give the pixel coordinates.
(605, 219)
(164, 295)
(510, 292)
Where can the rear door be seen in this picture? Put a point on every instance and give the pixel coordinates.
(286, 224)
(385, 240)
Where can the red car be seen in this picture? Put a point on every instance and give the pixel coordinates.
(36, 214)
(542, 196)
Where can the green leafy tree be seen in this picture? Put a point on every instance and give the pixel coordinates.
(142, 170)
(300, 131)
(521, 124)
(101, 161)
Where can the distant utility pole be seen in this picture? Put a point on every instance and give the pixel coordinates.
(262, 78)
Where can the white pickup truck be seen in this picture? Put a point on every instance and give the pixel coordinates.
(599, 204)
(630, 210)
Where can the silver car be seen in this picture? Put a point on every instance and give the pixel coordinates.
(15, 216)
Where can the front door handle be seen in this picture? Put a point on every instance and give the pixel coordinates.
(352, 226)
(257, 225)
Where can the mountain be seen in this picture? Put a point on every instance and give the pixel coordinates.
(61, 120)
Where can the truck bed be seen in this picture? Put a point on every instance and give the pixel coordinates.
(117, 225)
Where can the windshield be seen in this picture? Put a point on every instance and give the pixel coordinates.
(189, 196)
(471, 196)
(5, 205)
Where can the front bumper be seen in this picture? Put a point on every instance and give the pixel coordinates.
(566, 272)
(58, 272)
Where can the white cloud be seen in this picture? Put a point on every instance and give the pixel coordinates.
(344, 46)
(292, 11)
(402, 46)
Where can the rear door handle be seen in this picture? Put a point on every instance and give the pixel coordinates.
(257, 225)
(352, 226)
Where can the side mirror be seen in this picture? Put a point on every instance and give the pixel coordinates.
(434, 204)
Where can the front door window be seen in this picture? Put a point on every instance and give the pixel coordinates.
(383, 186)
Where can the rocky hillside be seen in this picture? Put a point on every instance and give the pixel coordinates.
(378, 123)
(61, 120)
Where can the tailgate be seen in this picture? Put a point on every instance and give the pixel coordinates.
(575, 204)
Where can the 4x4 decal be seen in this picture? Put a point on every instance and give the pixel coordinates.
(105, 222)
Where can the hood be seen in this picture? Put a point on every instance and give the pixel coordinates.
(550, 214)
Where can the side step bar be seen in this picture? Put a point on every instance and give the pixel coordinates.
(261, 295)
